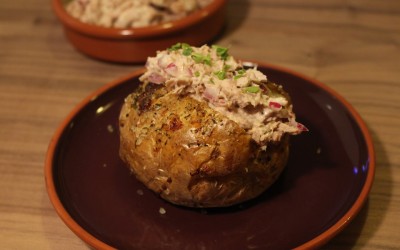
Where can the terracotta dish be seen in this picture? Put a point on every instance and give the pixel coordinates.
(325, 184)
(134, 45)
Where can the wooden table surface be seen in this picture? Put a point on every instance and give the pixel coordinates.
(353, 46)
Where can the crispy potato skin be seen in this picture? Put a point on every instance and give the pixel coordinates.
(191, 155)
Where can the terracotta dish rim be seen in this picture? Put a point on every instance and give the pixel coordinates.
(136, 33)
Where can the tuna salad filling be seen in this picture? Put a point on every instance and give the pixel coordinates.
(132, 13)
(244, 95)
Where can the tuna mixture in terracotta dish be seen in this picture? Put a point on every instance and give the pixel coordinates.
(132, 13)
(202, 130)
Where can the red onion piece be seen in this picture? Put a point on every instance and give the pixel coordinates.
(275, 105)
(171, 69)
(301, 127)
(210, 94)
(156, 78)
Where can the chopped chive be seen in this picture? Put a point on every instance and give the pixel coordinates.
(197, 73)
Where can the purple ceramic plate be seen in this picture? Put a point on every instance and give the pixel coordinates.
(327, 179)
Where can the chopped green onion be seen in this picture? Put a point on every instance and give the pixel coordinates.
(175, 47)
(239, 73)
(197, 73)
(186, 49)
(221, 51)
(227, 67)
(200, 58)
(220, 74)
(207, 60)
(252, 89)
(197, 57)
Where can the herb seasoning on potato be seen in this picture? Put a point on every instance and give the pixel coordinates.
(204, 131)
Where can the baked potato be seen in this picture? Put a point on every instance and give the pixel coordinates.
(200, 151)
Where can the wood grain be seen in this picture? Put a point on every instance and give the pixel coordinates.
(353, 46)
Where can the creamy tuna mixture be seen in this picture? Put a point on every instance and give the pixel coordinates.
(132, 13)
(210, 74)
